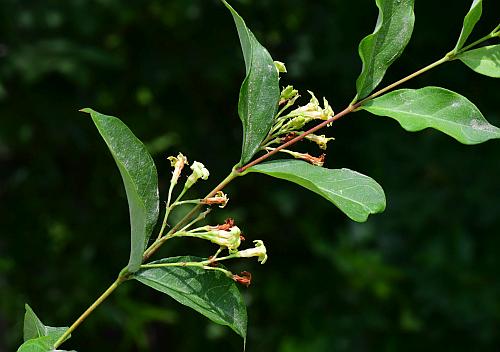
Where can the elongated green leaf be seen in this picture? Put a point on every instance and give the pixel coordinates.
(485, 60)
(381, 48)
(34, 328)
(439, 108)
(209, 292)
(470, 21)
(355, 194)
(139, 176)
(259, 93)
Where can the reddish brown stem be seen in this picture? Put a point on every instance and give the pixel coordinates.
(260, 159)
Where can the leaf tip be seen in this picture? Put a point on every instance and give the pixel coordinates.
(86, 110)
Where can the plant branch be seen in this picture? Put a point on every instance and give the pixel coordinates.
(237, 172)
(89, 310)
(403, 80)
(493, 34)
(157, 244)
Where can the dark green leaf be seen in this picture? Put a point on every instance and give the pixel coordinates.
(439, 108)
(259, 93)
(485, 60)
(209, 292)
(139, 175)
(34, 328)
(381, 48)
(355, 194)
(470, 21)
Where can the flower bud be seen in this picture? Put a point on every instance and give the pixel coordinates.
(178, 164)
(280, 66)
(199, 171)
(258, 251)
(288, 93)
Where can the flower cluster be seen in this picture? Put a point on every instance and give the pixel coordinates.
(288, 125)
(227, 236)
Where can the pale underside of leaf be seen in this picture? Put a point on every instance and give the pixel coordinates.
(439, 108)
(209, 292)
(485, 60)
(381, 48)
(140, 179)
(34, 328)
(353, 193)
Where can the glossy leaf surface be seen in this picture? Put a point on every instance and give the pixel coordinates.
(381, 48)
(209, 292)
(259, 93)
(139, 176)
(439, 108)
(470, 21)
(354, 194)
(485, 60)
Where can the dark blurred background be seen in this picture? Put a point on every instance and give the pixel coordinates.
(421, 276)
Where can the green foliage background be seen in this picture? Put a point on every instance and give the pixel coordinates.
(422, 275)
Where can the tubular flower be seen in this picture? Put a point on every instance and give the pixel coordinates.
(220, 199)
(178, 164)
(245, 278)
(199, 171)
(226, 238)
(318, 161)
(223, 235)
(313, 110)
(321, 141)
(258, 251)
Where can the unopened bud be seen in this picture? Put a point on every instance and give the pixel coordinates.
(280, 66)
(199, 171)
(288, 92)
(178, 164)
(258, 251)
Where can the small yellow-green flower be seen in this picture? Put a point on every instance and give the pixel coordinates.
(258, 251)
(199, 171)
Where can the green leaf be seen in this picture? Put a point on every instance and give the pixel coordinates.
(439, 108)
(39, 344)
(470, 21)
(485, 60)
(139, 176)
(34, 328)
(381, 48)
(355, 194)
(259, 93)
(209, 292)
